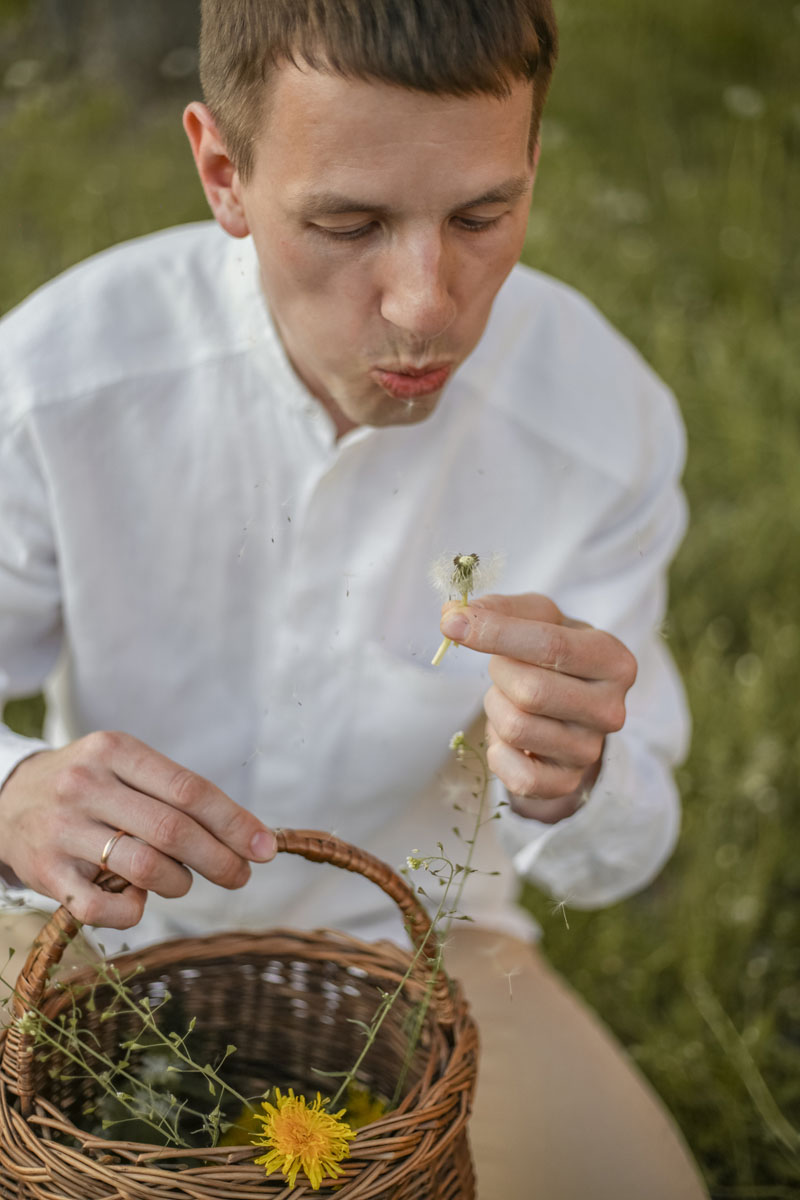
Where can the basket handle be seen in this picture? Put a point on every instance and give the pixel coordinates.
(326, 847)
(62, 927)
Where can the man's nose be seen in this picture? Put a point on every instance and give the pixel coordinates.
(415, 290)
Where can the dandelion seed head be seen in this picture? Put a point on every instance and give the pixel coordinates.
(454, 575)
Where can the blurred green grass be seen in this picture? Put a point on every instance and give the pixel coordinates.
(669, 193)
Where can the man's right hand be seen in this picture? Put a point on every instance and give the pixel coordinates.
(59, 808)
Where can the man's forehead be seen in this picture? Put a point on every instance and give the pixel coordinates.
(335, 144)
(318, 102)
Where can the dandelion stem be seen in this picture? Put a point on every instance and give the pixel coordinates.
(440, 653)
(447, 643)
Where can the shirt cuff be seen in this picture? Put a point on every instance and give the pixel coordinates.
(614, 845)
(14, 748)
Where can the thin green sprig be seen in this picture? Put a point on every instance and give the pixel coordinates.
(445, 870)
(446, 912)
(162, 1112)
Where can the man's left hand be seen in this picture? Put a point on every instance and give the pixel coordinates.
(559, 688)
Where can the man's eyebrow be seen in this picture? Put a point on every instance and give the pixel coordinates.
(505, 193)
(334, 204)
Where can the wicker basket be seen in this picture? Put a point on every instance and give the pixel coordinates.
(288, 1001)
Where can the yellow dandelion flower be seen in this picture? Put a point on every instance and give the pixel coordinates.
(305, 1135)
(362, 1107)
(242, 1129)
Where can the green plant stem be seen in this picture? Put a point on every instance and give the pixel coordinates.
(380, 1016)
(66, 1047)
(465, 871)
(734, 1046)
(69, 1043)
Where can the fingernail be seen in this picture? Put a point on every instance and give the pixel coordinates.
(263, 847)
(455, 625)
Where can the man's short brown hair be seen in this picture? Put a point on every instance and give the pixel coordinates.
(447, 47)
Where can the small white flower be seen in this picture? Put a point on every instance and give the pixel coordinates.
(154, 1068)
(457, 740)
(622, 204)
(743, 101)
(21, 74)
(27, 1024)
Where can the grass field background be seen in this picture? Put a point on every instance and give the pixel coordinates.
(669, 193)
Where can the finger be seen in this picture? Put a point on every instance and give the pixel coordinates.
(599, 707)
(93, 906)
(562, 742)
(167, 837)
(584, 653)
(147, 868)
(549, 812)
(530, 606)
(145, 770)
(162, 838)
(538, 789)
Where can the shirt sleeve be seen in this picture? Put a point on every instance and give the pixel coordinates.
(30, 610)
(617, 842)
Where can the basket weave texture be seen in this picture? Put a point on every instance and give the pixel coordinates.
(289, 1001)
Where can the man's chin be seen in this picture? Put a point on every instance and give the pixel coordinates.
(381, 410)
(389, 410)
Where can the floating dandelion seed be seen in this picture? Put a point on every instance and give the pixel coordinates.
(456, 577)
(509, 975)
(560, 906)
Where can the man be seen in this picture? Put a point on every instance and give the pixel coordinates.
(231, 453)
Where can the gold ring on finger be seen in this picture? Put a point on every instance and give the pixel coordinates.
(109, 846)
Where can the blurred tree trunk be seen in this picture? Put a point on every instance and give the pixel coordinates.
(139, 43)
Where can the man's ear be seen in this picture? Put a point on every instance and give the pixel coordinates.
(218, 175)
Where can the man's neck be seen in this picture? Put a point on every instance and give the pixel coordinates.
(342, 424)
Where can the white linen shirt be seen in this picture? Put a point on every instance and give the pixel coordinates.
(188, 554)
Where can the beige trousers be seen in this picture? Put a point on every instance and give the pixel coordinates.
(560, 1112)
